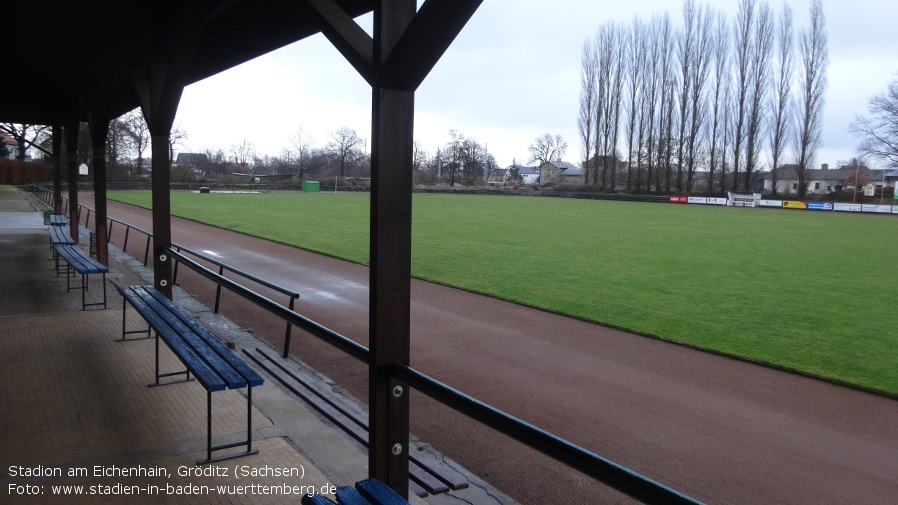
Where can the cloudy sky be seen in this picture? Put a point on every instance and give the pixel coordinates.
(511, 75)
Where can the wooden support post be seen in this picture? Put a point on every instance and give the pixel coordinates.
(159, 84)
(71, 146)
(392, 132)
(162, 267)
(99, 128)
(57, 168)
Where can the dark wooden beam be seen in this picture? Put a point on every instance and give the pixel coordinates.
(71, 147)
(159, 80)
(392, 132)
(347, 36)
(57, 167)
(99, 128)
(423, 43)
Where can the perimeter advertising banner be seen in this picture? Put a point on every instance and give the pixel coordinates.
(679, 199)
(697, 199)
(795, 204)
(820, 206)
(717, 201)
(895, 209)
(770, 203)
(847, 207)
(880, 209)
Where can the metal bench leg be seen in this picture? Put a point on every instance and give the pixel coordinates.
(249, 432)
(185, 372)
(124, 331)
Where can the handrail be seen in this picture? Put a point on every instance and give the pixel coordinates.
(337, 340)
(222, 267)
(608, 472)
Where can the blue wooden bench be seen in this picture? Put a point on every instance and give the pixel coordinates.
(366, 492)
(78, 261)
(212, 364)
(57, 220)
(59, 235)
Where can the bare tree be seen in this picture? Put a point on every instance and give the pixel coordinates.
(588, 105)
(686, 42)
(878, 133)
(781, 102)
(175, 139)
(744, 25)
(26, 136)
(760, 87)
(636, 49)
(302, 141)
(609, 83)
(547, 148)
(345, 146)
(243, 152)
(814, 60)
(659, 89)
(138, 135)
(718, 99)
(701, 62)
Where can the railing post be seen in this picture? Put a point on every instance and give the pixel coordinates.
(218, 289)
(289, 329)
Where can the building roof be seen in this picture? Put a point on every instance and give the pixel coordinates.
(191, 158)
(527, 170)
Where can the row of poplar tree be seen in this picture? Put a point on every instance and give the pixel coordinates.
(708, 96)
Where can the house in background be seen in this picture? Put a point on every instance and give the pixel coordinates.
(196, 162)
(824, 180)
(499, 177)
(526, 175)
(560, 172)
(12, 147)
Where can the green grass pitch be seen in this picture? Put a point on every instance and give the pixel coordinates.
(809, 291)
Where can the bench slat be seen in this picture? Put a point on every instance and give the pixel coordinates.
(60, 236)
(207, 377)
(245, 371)
(80, 261)
(378, 493)
(192, 337)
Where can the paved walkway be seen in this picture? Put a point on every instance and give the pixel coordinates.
(79, 424)
(721, 430)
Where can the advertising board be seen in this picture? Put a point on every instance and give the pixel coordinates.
(847, 207)
(795, 204)
(879, 209)
(770, 203)
(697, 199)
(717, 201)
(820, 205)
(679, 199)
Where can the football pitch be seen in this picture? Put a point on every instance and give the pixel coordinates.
(814, 292)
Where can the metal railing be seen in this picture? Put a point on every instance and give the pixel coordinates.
(618, 477)
(571, 455)
(222, 267)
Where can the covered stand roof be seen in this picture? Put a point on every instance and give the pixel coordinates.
(58, 54)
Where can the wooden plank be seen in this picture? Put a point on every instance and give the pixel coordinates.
(315, 499)
(348, 496)
(378, 493)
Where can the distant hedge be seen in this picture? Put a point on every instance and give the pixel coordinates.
(22, 172)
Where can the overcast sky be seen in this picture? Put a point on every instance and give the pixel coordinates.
(510, 76)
